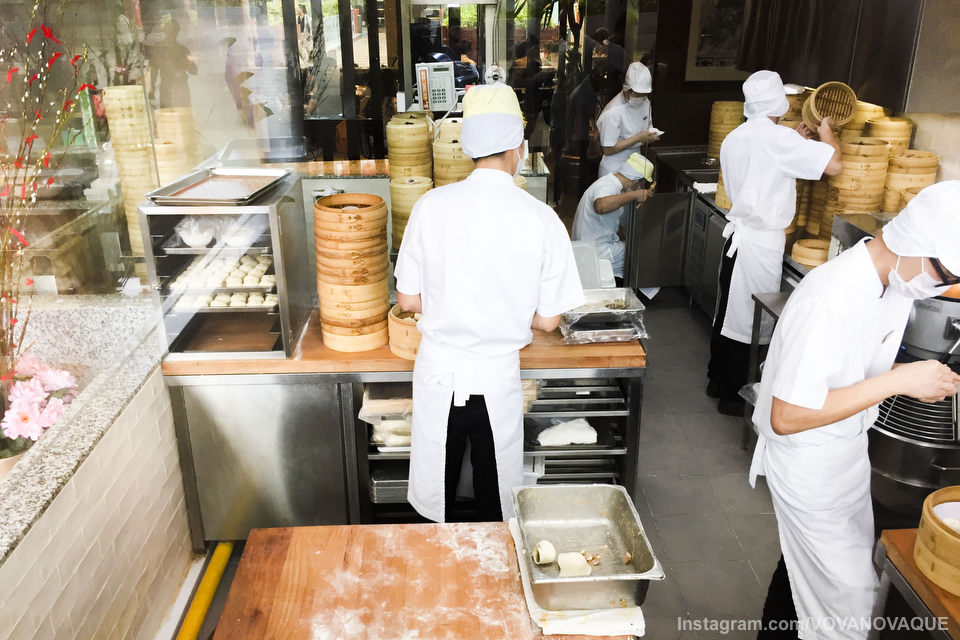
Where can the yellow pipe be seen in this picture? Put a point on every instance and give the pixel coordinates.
(193, 621)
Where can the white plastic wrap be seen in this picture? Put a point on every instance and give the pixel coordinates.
(609, 315)
(196, 231)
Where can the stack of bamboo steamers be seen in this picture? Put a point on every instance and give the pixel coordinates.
(351, 243)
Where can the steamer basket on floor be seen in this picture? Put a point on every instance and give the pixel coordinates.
(352, 261)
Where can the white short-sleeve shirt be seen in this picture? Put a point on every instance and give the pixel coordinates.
(835, 331)
(484, 255)
(761, 163)
(601, 228)
(620, 120)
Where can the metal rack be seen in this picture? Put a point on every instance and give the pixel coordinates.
(271, 330)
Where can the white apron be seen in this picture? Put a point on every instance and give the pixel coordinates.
(757, 269)
(821, 495)
(442, 373)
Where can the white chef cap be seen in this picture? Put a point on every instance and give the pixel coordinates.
(764, 95)
(638, 78)
(929, 226)
(636, 167)
(492, 120)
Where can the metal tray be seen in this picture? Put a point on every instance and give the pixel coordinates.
(193, 310)
(230, 186)
(596, 309)
(175, 246)
(595, 518)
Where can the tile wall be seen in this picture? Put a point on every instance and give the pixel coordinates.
(108, 556)
(940, 133)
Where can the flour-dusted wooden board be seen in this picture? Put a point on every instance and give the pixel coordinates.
(378, 582)
(546, 351)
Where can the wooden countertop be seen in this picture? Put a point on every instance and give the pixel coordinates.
(899, 545)
(386, 581)
(545, 352)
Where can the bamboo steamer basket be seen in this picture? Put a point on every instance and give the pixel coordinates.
(450, 163)
(409, 135)
(350, 246)
(404, 193)
(795, 111)
(725, 116)
(334, 293)
(449, 130)
(915, 159)
(348, 216)
(347, 261)
(404, 336)
(866, 147)
(337, 229)
(362, 204)
(810, 252)
(344, 317)
(908, 194)
(912, 169)
(520, 181)
(834, 99)
(354, 344)
(358, 279)
(937, 549)
(352, 267)
(818, 200)
(721, 199)
(337, 255)
(373, 327)
(896, 131)
(370, 324)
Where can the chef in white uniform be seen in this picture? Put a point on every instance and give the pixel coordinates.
(761, 162)
(601, 208)
(483, 261)
(625, 123)
(831, 362)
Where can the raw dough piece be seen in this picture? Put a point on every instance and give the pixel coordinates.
(396, 440)
(573, 564)
(953, 523)
(233, 281)
(544, 552)
(251, 281)
(219, 303)
(576, 431)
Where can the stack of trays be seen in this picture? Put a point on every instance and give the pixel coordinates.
(911, 169)
(404, 193)
(725, 116)
(450, 163)
(408, 145)
(896, 131)
(126, 110)
(176, 142)
(863, 112)
(350, 230)
(859, 189)
(818, 200)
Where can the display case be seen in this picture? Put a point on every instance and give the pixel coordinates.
(230, 280)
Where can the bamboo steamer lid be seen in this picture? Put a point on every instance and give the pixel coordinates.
(449, 130)
(890, 125)
(408, 135)
(866, 147)
(834, 99)
(373, 327)
(937, 549)
(348, 216)
(810, 249)
(360, 203)
(914, 160)
(404, 336)
(335, 293)
(353, 344)
(908, 194)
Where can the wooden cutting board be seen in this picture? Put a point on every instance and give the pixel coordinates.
(376, 582)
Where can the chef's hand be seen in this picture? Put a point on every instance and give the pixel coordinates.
(645, 136)
(927, 380)
(825, 130)
(804, 130)
(641, 195)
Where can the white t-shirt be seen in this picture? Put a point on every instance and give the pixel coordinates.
(484, 255)
(761, 163)
(835, 330)
(601, 228)
(620, 120)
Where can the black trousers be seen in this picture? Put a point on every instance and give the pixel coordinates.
(729, 359)
(471, 423)
(778, 609)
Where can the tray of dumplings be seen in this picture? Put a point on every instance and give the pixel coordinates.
(227, 302)
(226, 274)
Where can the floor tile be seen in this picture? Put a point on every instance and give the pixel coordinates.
(711, 426)
(724, 590)
(641, 504)
(737, 496)
(679, 495)
(663, 627)
(687, 397)
(661, 427)
(698, 537)
(757, 534)
(667, 457)
(722, 457)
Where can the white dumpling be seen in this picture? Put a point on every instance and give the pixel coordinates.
(544, 552)
(573, 564)
(953, 523)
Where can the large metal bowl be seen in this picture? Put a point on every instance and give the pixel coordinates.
(598, 519)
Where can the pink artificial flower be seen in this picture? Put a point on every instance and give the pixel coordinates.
(55, 379)
(52, 412)
(22, 420)
(29, 366)
(28, 391)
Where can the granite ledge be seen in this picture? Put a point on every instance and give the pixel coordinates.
(31, 486)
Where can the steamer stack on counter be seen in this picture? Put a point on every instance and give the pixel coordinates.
(721, 198)
(863, 112)
(126, 110)
(351, 243)
(818, 200)
(725, 116)
(450, 163)
(909, 170)
(404, 193)
(859, 189)
(409, 136)
(176, 142)
(794, 115)
(896, 131)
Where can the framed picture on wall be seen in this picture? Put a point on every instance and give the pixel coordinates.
(716, 33)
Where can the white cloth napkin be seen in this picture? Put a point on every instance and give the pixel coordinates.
(588, 622)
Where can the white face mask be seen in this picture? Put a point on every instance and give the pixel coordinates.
(520, 159)
(919, 287)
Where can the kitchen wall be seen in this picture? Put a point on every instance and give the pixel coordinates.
(939, 133)
(108, 556)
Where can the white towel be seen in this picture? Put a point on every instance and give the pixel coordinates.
(623, 621)
(576, 431)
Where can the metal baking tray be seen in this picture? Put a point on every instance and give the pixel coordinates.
(192, 310)
(175, 246)
(605, 306)
(609, 438)
(596, 518)
(230, 186)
